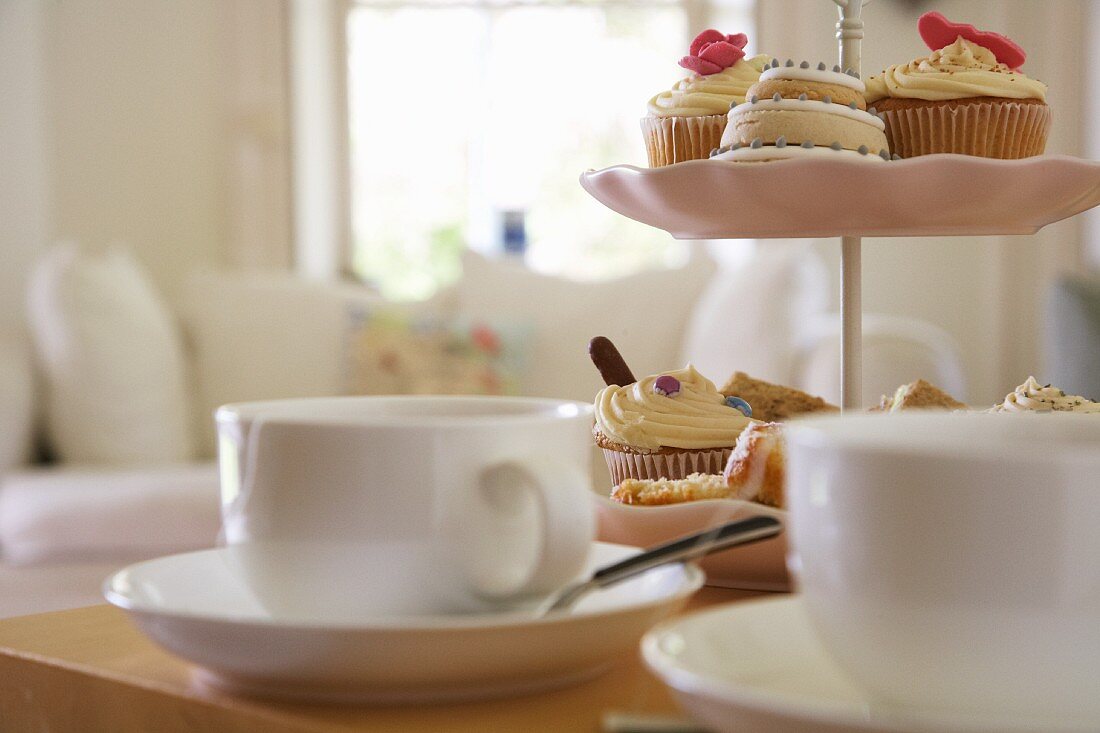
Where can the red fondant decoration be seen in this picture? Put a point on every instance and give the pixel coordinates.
(937, 31)
(712, 51)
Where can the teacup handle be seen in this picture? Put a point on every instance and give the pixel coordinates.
(565, 523)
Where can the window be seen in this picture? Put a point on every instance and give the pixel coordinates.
(471, 121)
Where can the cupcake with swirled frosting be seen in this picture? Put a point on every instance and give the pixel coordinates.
(668, 426)
(687, 121)
(1034, 397)
(968, 96)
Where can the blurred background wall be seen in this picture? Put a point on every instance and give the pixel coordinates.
(168, 126)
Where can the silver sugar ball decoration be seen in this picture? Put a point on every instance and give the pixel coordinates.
(714, 152)
(873, 111)
(895, 156)
(754, 99)
(808, 144)
(821, 66)
(804, 65)
(756, 143)
(837, 146)
(863, 150)
(789, 63)
(781, 142)
(883, 154)
(802, 97)
(827, 99)
(836, 68)
(776, 97)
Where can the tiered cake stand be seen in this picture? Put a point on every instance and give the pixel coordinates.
(932, 195)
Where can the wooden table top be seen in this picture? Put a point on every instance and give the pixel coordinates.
(89, 669)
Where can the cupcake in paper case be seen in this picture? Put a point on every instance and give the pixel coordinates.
(687, 121)
(967, 97)
(1034, 397)
(667, 426)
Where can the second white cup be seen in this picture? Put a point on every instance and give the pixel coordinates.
(951, 563)
(356, 508)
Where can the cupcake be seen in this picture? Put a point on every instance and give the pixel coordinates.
(687, 121)
(800, 111)
(968, 96)
(1034, 397)
(667, 426)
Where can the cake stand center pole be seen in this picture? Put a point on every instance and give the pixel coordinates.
(849, 33)
(851, 324)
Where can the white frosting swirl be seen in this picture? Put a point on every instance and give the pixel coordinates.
(711, 94)
(748, 154)
(961, 70)
(695, 418)
(1034, 397)
(822, 77)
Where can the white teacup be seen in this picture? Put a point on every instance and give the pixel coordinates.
(951, 562)
(363, 507)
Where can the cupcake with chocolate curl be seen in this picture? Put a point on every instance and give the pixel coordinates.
(666, 426)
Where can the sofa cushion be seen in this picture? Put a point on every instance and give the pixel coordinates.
(748, 316)
(111, 358)
(644, 314)
(52, 514)
(261, 337)
(16, 402)
(392, 351)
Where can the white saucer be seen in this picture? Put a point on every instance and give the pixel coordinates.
(757, 666)
(194, 606)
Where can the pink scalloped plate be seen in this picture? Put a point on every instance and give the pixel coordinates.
(759, 566)
(932, 195)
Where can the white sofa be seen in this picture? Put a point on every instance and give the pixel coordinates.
(143, 482)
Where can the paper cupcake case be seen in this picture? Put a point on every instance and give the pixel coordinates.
(677, 465)
(677, 139)
(1007, 130)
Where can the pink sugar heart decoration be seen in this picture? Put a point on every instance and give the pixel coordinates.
(937, 31)
(699, 66)
(712, 51)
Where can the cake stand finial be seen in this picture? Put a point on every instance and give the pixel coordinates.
(849, 32)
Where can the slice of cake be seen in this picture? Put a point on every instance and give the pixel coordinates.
(773, 402)
(799, 112)
(654, 492)
(756, 470)
(919, 395)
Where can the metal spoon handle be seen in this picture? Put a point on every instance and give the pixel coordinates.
(687, 548)
(741, 532)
